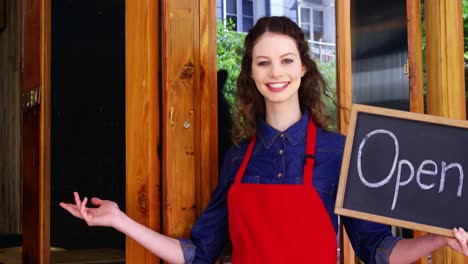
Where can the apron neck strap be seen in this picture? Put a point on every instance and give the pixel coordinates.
(241, 170)
(309, 158)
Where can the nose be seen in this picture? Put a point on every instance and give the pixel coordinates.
(275, 70)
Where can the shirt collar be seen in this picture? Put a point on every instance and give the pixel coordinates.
(294, 133)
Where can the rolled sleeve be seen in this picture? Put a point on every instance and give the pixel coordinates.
(382, 254)
(371, 241)
(188, 248)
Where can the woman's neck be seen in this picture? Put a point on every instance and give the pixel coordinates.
(282, 116)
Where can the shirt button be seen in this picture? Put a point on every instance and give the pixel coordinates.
(280, 152)
(280, 174)
(282, 135)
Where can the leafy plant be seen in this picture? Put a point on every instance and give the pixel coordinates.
(328, 70)
(230, 44)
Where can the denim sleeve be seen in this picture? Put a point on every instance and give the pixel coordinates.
(188, 248)
(210, 231)
(372, 242)
(382, 255)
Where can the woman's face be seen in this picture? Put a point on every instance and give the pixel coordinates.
(277, 68)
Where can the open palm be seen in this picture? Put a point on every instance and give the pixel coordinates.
(104, 214)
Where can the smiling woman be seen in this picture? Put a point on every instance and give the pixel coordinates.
(277, 74)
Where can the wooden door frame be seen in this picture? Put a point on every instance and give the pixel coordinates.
(150, 46)
(36, 191)
(142, 121)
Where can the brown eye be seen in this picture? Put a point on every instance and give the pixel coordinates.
(263, 63)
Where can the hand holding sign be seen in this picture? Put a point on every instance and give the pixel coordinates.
(461, 242)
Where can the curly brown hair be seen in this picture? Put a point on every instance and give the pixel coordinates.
(250, 104)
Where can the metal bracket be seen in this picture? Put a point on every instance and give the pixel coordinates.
(30, 99)
(406, 68)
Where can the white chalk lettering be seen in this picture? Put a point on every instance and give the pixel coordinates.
(387, 179)
(427, 172)
(398, 183)
(427, 167)
(442, 177)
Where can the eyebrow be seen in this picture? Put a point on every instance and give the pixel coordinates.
(284, 55)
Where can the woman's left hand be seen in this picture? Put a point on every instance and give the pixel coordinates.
(460, 242)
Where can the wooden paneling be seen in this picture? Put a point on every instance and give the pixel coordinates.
(36, 132)
(344, 65)
(143, 187)
(415, 64)
(189, 111)
(10, 118)
(208, 105)
(181, 91)
(344, 86)
(415, 68)
(30, 134)
(44, 134)
(444, 58)
(445, 75)
(188, 125)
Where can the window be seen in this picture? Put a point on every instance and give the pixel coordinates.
(247, 15)
(241, 12)
(230, 12)
(311, 22)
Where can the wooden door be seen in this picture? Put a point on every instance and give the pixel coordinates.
(142, 110)
(445, 77)
(189, 105)
(35, 132)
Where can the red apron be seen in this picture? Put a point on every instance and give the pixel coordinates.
(280, 223)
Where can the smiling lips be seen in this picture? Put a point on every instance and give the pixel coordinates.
(277, 87)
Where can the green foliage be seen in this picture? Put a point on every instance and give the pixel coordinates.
(328, 70)
(230, 44)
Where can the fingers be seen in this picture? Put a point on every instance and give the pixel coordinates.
(72, 209)
(84, 212)
(459, 235)
(77, 199)
(96, 201)
(79, 209)
(462, 237)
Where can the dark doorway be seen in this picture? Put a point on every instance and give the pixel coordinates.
(379, 53)
(88, 116)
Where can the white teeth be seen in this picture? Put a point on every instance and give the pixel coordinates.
(277, 85)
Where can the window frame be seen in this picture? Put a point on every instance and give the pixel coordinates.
(311, 8)
(239, 15)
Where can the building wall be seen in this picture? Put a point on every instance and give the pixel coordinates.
(289, 8)
(219, 9)
(329, 21)
(284, 8)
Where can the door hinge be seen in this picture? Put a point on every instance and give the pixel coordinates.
(406, 68)
(30, 99)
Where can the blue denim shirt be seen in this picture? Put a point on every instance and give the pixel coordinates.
(277, 158)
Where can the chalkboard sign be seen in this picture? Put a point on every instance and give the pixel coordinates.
(405, 169)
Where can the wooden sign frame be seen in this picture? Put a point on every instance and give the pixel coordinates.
(339, 208)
